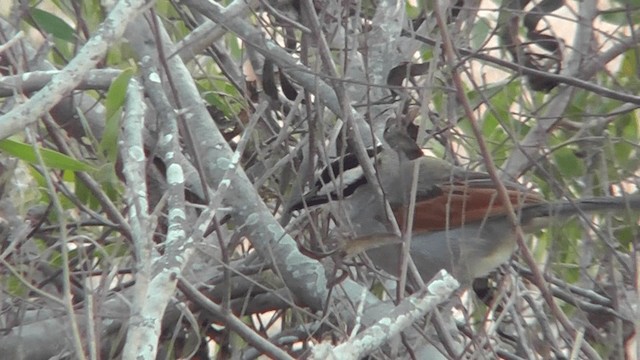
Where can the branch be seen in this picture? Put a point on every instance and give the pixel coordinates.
(65, 82)
(96, 79)
(410, 310)
(303, 276)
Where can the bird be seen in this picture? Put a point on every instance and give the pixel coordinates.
(460, 223)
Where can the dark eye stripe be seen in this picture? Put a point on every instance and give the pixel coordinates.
(349, 162)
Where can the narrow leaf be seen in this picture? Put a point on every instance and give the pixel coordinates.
(51, 158)
(53, 25)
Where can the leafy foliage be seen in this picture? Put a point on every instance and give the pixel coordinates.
(92, 226)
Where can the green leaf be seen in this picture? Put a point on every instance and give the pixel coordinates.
(111, 251)
(625, 234)
(568, 164)
(51, 158)
(117, 92)
(56, 257)
(107, 177)
(412, 11)
(426, 54)
(481, 30)
(53, 25)
(86, 196)
(624, 15)
(508, 89)
(629, 70)
(632, 4)
(233, 46)
(113, 104)
(500, 97)
(14, 287)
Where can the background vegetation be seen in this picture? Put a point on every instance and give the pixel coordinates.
(150, 150)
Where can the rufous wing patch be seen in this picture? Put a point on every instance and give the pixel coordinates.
(458, 204)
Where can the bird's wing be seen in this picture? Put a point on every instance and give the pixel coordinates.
(337, 180)
(453, 204)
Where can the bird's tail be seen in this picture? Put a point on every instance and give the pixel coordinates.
(587, 205)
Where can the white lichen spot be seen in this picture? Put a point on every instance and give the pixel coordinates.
(385, 321)
(136, 153)
(154, 77)
(167, 139)
(224, 163)
(175, 176)
(270, 45)
(176, 214)
(252, 219)
(275, 230)
(225, 182)
(170, 155)
(175, 235)
(218, 146)
(443, 286)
